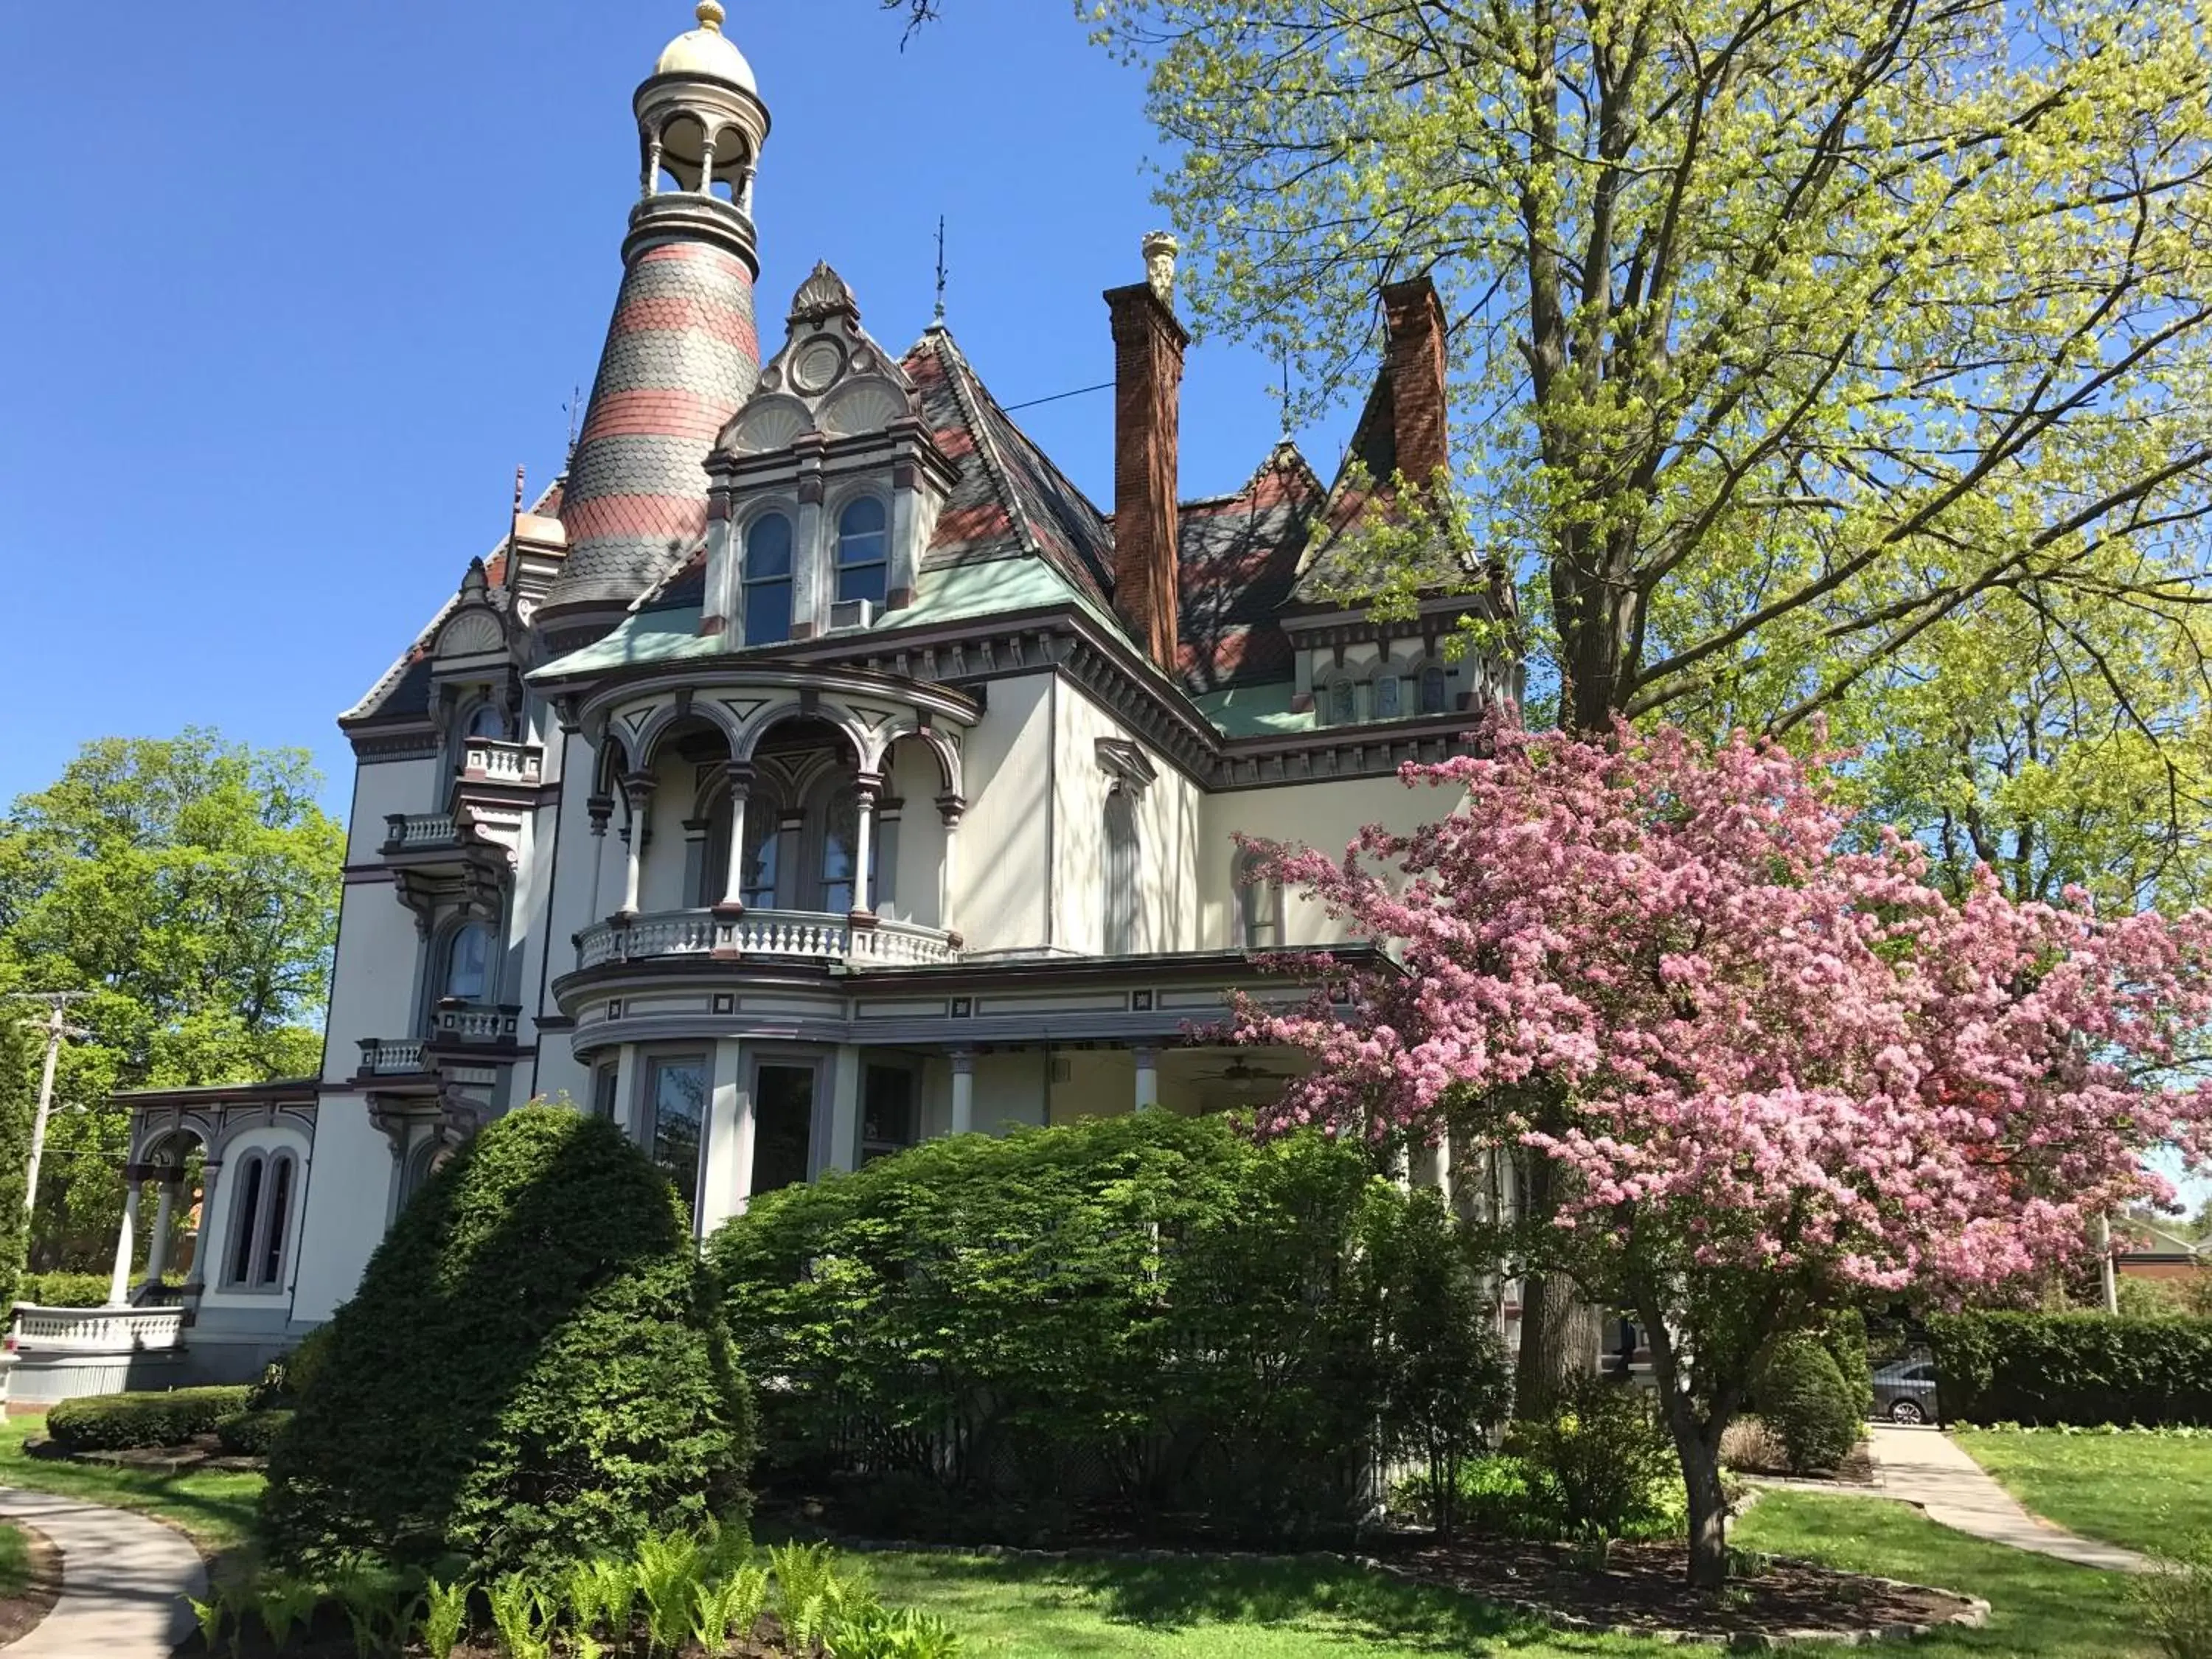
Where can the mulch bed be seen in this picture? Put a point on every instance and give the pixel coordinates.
(1644, 1590)
(19, 1614)
(330, 1639)
(206, 1452)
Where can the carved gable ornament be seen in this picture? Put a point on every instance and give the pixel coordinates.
(475, 628)
(829, 378)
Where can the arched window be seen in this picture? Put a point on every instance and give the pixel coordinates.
(488, 720)
(1343, 703)
(1386, 696)
(1435, 697)
(1120, 875)
(1259, 904)
(259, 1220)
(764, 816)
(767, 580)
(468, 964)
(841, 838)
(863, 552)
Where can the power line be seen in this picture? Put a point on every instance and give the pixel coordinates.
(1081, 390)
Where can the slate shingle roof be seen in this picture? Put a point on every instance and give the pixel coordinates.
(1239, 557)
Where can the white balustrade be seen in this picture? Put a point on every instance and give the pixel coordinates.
(408, 831)
(473, 1025)
(393, 1059)
(496, 761)
(97, 1329)
(805, 935)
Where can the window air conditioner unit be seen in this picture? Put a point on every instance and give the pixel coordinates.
(852, 613)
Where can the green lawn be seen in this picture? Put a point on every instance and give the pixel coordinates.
(1214, 1609)
(15, 1561)
(2148, 1491)
(216, 1508)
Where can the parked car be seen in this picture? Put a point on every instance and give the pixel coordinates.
(1905, 1392)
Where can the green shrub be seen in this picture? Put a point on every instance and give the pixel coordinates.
(252, 1433)
(59, 1290)
(125, 1422)
(2081, 1369)
(2175, 1600)
(1802, 1398)
(1151, 1315)
(285, 1378)
(534, 1371)
(1845, 1337)
(1602, 1463)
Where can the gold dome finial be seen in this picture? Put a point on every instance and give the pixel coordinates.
(710, 16)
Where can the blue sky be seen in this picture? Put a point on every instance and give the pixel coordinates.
(293, 289)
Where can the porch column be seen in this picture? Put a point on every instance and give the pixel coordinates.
(637, 788)
(950, 808)
(196, 1283)
(1148, 1078)
(118, 1281)
(865, 791)
(742, 1139)
(963, 1090)
(157, 1248)
(733, 877)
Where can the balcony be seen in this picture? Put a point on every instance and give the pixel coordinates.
(494, 760)
(421, 832)
(390, 1057)
(784, 935)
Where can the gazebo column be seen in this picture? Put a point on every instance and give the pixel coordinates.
(637, 789)
(195, 1285)
(1148, 1078)
(963, 1090)
(165, 1214)
(733, 877)
(950, 808)
(865, 788)
(126, 1238)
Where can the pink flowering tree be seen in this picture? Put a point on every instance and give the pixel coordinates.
(1763, 1070)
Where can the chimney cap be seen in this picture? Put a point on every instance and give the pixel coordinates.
(1160, 248)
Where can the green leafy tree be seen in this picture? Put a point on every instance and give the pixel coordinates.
(192, 885)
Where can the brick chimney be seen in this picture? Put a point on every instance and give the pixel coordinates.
(1415, 355)
(1148, 347)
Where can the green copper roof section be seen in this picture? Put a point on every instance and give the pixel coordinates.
(1254, 711)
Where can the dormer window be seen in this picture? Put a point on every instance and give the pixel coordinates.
(488, 721)
(767, 580)
(1434, 698)
(863, 552)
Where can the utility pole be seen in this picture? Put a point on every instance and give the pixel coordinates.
(57, 1026)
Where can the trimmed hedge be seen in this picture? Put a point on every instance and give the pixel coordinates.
(535, 1370)
(251, 1433)
(2079, 1369)
(59, 1290)
(1147, 1315)
(129, 1422)
(1803, 1398)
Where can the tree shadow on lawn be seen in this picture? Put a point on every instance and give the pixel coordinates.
(2038, 1606)
(1182, 1594)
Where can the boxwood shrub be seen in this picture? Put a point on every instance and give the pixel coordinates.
(1151, 1317)
(251, 1433)
(534, 1370)
(1803, 1398)
(129, 1422)
(2080, 1368)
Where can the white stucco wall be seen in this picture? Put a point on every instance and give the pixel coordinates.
(999, 899)
(383, 788)
(1170, 832)
(376, 990)
(1325, 816)
(348, 1195)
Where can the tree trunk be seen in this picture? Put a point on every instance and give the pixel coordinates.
(1559, 1330)
(1701, 1478)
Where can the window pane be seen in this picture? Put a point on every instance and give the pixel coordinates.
(887, 1111)
(865, 581)
(1343, 709)
(862, 551)
(468, 960)
(679, 1115)
(783, 1126)
(840, 835)
(603, 1092)
(272, 1240)
(243, 1215)
(489, 721)
(767, 549)
(763, 836)
(767, 612)
(1386, 698)
(1432, 691)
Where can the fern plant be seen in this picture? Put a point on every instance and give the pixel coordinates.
(669, 1570)
(731, 1607)
(445, 1615)
(519, 1615)
(285, 1603)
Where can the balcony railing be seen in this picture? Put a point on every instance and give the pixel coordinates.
(803, 935)
(97, 1329)
(474, 1023)
(410, 832)
(493, 760)
(387, 1058)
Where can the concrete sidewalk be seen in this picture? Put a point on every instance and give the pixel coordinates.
(124, 1580)
(1925, 1467)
